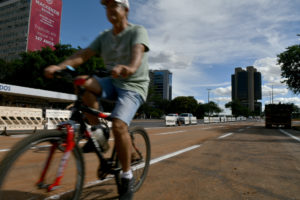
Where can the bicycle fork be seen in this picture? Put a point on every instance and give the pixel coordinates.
(69, 145)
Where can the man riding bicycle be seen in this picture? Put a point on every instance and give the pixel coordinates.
(122, 49)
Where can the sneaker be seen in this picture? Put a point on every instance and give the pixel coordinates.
(127, 189)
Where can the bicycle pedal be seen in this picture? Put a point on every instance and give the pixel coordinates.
(53, 188)
(43, 185)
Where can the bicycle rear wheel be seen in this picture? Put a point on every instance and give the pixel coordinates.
(141, 155)
(21, 169)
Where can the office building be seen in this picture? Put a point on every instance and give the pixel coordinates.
(246, 88)
(28, 25)
(161, 82)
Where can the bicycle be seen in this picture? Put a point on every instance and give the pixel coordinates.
(28, 170)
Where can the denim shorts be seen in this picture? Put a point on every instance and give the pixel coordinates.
(127, 102)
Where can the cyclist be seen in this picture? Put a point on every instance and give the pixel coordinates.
(123, 50)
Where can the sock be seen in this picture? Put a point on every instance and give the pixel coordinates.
(127, 175)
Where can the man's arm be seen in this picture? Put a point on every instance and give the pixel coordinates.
(136, 60)
(75, 60)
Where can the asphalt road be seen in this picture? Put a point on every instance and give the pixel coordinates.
(233, 161)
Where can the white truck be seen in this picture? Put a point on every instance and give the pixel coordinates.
(187, 118)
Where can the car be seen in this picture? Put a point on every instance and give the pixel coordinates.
(182, 117)
(173, 115)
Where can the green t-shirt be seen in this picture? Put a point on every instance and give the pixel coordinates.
(117, 49)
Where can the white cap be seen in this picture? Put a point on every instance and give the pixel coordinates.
(123, 2)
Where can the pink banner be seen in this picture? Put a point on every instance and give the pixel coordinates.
(44, 27)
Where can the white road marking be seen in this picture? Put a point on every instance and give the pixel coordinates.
(156, 160)
(4, 150)
(290, 135)
(18, 136)
(168, 133)
(153, 161)
(226, 135)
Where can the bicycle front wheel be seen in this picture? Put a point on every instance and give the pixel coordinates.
(22, 167)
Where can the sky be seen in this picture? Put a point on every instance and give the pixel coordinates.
(201, 42)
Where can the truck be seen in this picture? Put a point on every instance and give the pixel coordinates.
(278, 115)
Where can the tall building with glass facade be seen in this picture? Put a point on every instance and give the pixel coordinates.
(161, 82)
(246, 88)
(28, 25)
(14, 18)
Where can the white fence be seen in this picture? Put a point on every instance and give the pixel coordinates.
(172, 120)
(13, 118)
(18, 118)
(223, 119)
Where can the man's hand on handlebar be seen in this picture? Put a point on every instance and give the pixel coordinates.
(50, 70)
(121, 71)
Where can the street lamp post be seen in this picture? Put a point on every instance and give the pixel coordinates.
(208, 91)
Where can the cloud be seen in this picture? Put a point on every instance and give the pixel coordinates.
(198, 39)
(223, 91)
(267, 91)
(270, 70)
(294, 100)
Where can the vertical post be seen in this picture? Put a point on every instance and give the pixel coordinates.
(208, 90)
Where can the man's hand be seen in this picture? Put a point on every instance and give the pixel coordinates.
(50, 70)
(121, 70)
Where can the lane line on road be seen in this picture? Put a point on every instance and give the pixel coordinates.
(4, 150)
(176, 153)
(169, 133)
(290, 135)
(225, 135)
(153, 161)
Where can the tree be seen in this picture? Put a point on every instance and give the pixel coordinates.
(28, 70)
(184, 105)
(290, 67)
(211, 108)
(237, 109)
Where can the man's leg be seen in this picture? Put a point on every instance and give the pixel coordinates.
(123, 143)
(89, 98)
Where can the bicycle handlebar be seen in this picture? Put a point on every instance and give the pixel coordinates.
(70, 73)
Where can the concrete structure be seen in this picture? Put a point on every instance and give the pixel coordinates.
(12, 95)
(246, 87)
(161, 82)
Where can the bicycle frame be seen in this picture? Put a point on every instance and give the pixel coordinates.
(76, 116)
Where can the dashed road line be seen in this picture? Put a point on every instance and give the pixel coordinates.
(4, 150)
(225, 135)
(156, 160)
(169, 133)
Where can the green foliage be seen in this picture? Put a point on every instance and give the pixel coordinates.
(237, 109)
(290, 67)
(184, 105)
(28, 71)
(212, 108)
